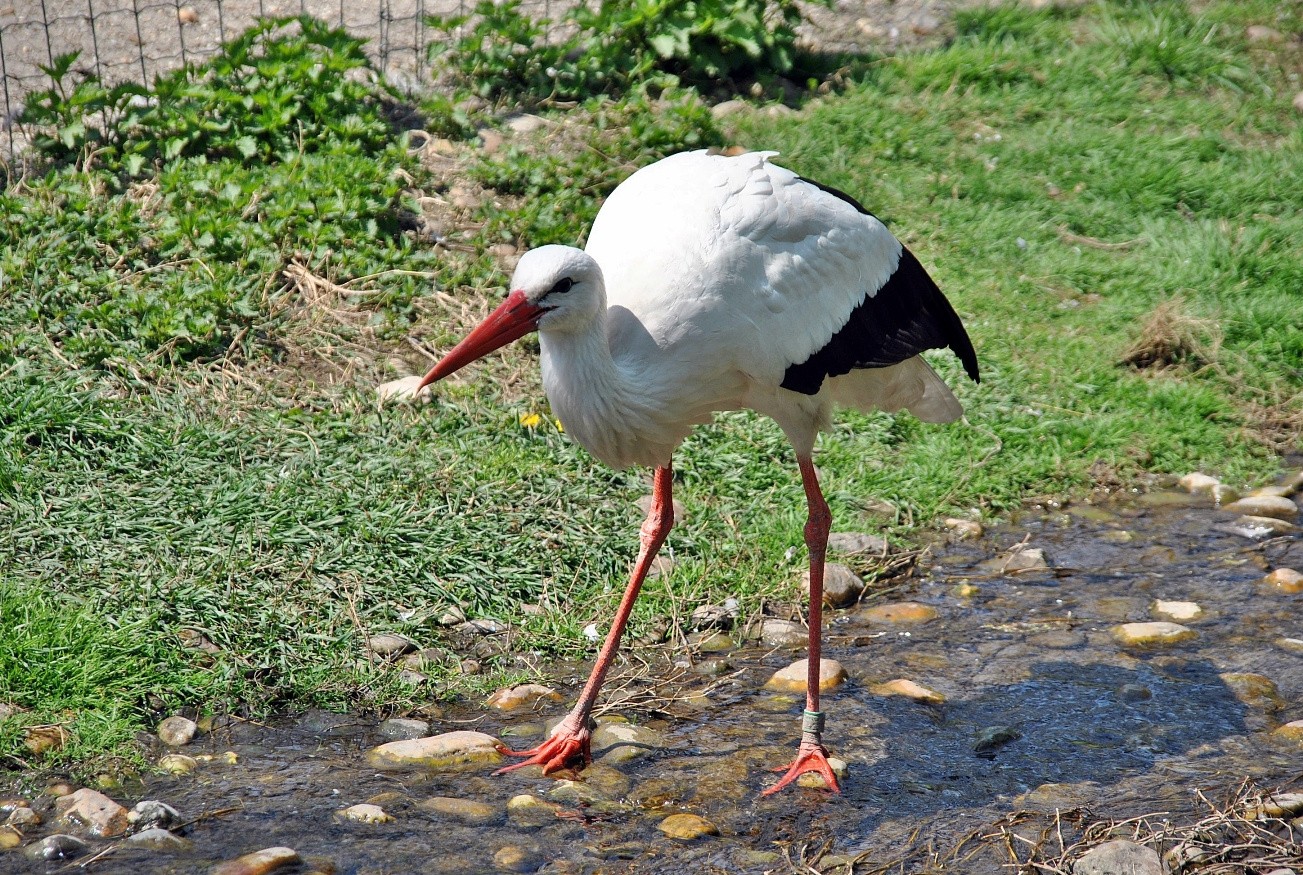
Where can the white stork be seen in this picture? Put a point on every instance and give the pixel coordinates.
(718, 283)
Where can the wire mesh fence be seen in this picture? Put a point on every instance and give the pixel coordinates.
(136, 40)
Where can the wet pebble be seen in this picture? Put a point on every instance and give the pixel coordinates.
(178, 764)
(1059, 639)
(365, 813)
(9, 838)
(1197, 482)
(1157, 634)
(158, 839)
(91, 812)
(841, 585)
(909, 689)
(992, 738)
(1179, 611)
(522, 695)
(1285, 579)
(465, 810)
(149, 813)
(1113, 858)
(56, 847)
(815, 781)
(782, 633)
(437, 751)
(1132, 693)
(1292, 644)
(576, 793)
(793, 678)
(712, 668)
(687, 827)
(514, 858)
(402, 729)
(176, 731)
(529, 811)
(963, 529)
(622, 742)
(1292, 731)
(257, 863)
(900, 614)
(1257, 527)
(1273, 506)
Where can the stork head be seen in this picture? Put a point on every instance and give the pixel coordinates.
(554, 288)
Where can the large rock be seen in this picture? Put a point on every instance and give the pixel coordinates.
(437, 751)
(466, 810)
(621, 742)
(1274, 506)
(257, 863)
(900, 614)
(1158, 634)
(793, 679)
(522, 696)
(1119, 858)
(56, 847)
(841, 585)
(92, 813)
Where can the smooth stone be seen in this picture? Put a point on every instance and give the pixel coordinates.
(158, 839)
(712, 668)
(782, 633)
(900, 614)
(841, 585)
(526, 124)
(713, 617)
(1026, 559)
(1059, 639)
(622, 742)
(1286, 580)
(56, 847)
(712, 642)
(611, 782)
(150, 813)
(1283, 805)
(728, 107)
(23, 819)
(176, 731)
(365, 813)
(257, 863)
(1256, 527)
(1118, 857)
(522, 695)
(1051, 795)
(465, 810)
(403, 389)
(857, 542)
(92, 812)
(402, 729)
(1118, 536)
(687, 827)
(793, 679)
(1294, 483)
(1178, 610)
(992, 738)
(43, 739)
(1292, 731)
(1157, 634)
(909, 689)
(529, 811)
(1195, 483)
(1253, 690)
(1224, 495)
(576, 793)
(1273, 506)
(9, 838)
(9, 804)
(1292, 644)
(514, 858)
(964, 529)
(815, 781)
(178, 764)
(437, 751)
(1132, 693)
(390, 646)
(1273, 491)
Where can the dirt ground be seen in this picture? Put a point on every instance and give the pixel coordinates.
(138, 39)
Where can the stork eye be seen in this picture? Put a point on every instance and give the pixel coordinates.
(562, 286)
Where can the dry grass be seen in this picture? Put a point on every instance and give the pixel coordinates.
(1171, 338)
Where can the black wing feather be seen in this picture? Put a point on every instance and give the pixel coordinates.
(906, 316)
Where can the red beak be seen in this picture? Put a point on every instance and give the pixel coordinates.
(515, 318)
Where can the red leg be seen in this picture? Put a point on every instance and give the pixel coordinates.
(812, 756)
(571, 737)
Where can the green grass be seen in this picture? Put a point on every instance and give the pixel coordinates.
(170, 459)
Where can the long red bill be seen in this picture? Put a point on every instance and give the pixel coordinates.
(513, 319)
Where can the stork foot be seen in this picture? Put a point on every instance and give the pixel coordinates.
(811, 757)
(560, 750)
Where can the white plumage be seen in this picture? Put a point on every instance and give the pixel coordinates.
(715, 283)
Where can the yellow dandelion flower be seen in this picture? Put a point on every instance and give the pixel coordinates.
(530, 420)
(559, 426)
